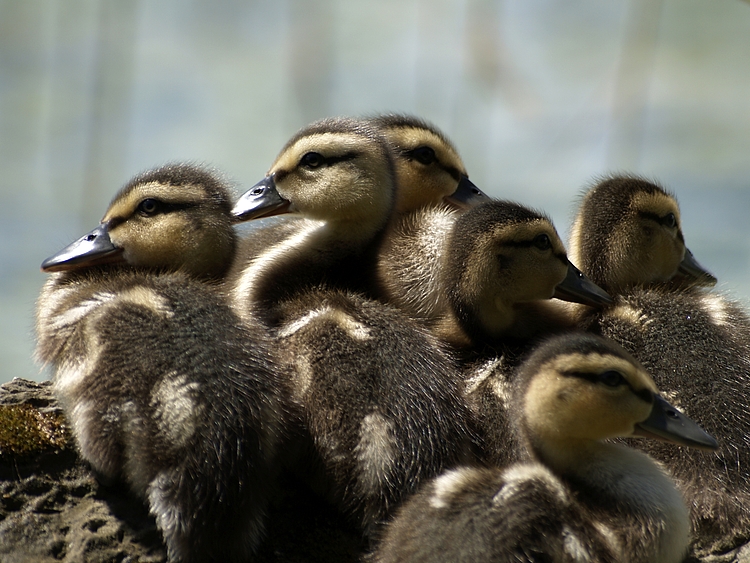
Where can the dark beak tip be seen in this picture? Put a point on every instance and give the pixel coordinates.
(577, 288)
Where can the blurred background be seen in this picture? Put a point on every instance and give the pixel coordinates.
(540, 97)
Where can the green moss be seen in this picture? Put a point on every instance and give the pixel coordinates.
(24, 430)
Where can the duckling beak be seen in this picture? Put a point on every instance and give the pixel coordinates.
(262, 200)
(690, 268)
(91, 249)
(467, 195)
(576, 287)
(667, 423)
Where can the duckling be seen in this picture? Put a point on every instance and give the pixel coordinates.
(379, 394)
(429, 170)
(627, 232)
(502, 263)
(163, 385)
(499, 263)
(572, 496)
(433, 188)
(337, 175)
(696, 343)
(381, 400)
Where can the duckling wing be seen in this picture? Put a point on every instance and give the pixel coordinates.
(522, 513)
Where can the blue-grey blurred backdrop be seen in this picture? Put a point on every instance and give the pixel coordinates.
(540, 96)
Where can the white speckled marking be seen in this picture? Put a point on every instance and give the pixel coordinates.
(303, 376)
(447, 485)
(167, 515)
(348, 324)
(485, 371)
(242, 293)
(574, 547)
(295, 326)
(175, 408)
(375, 452)
(518, 474)
(630, 314)
(86, 428)
(716, 308)
(148, 298)
(78, 312)
(501, 389)
(72, 373)
(609, 536)
(52, 297)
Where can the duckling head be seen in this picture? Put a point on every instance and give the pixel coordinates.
(429, 169)
(501, 256)
(579, 389)
(336, 170)
(628, 233)
(176, 217)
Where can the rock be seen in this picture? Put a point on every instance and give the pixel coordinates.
(52, 508)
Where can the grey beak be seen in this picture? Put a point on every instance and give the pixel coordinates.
(576, 287)
(262, 200)
(466, 195)
(92, 248)
(690, 268)
(667, 423)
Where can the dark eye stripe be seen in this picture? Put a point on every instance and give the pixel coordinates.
(169, 207)
(666, 220)
(342, 158)
(593, 377)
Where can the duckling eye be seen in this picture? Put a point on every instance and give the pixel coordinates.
(542, 242)
(148, 206)
(312, 160)
(424, 155)
(670, 220)
(611, 378)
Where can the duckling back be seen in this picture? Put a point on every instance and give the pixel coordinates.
(380, 400)
(522, 513)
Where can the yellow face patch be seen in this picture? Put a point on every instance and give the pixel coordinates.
(409, 138)
(419, 184)
(560, 408)
(328, 145)
(355, 185)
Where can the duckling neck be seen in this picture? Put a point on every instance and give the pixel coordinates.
(494, 320)
(332, 254)
(605, 475)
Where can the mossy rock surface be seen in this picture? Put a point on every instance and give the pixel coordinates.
(52, 508)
